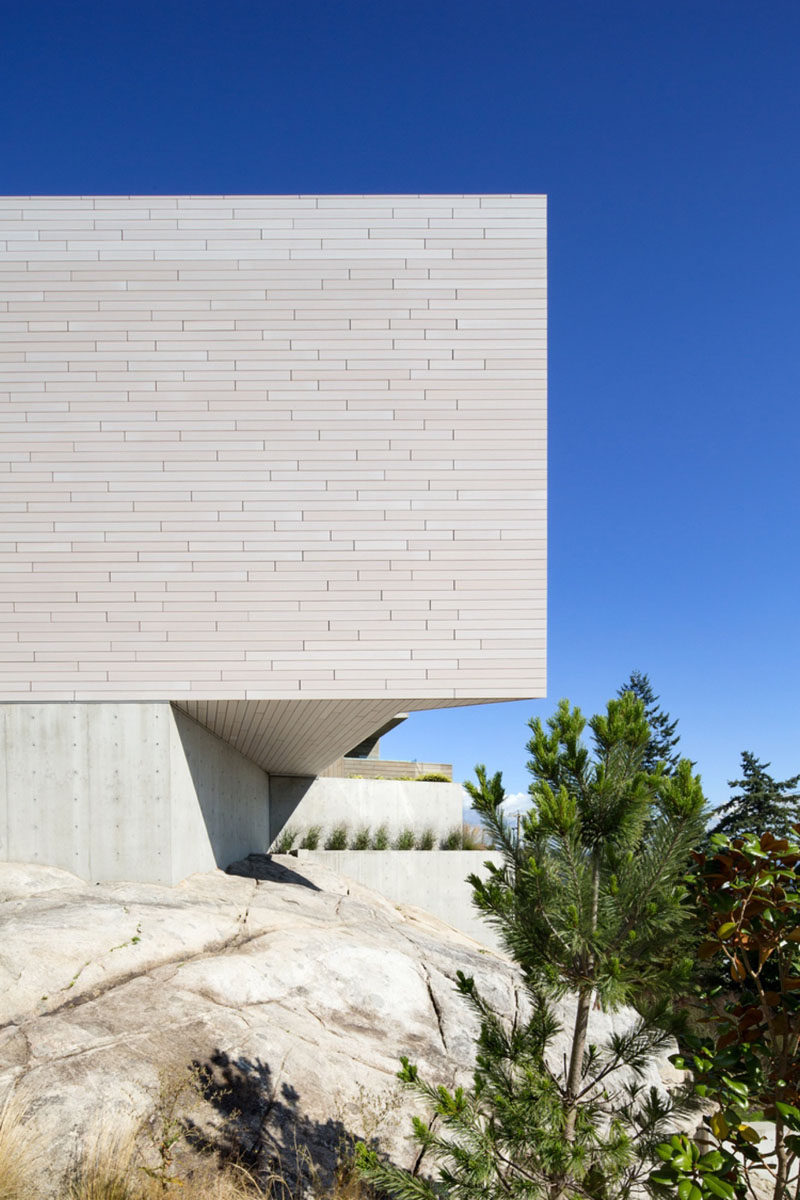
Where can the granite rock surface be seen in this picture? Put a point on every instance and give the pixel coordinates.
(290, 986)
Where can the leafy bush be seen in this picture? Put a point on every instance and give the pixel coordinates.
(381, 838)
(311, 838)
(451, 840)
(362, 839)
(405, 840)
(745, 1059)
(434, 777)
(337, 838)
(426, 840)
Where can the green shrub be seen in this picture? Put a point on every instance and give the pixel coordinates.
(434, 777)
(405, 840)
(337, 838)
(452, 840)
(426, 840)
(381, 839)
(311, 838)
(362, 839)
(284, 842)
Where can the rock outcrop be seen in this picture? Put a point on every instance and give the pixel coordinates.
(301, 989)
(296, 989)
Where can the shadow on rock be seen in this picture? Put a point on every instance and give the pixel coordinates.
(265, 867)
(260, 1125)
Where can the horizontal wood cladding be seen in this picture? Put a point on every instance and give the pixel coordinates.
(272, 447)
(298, 737)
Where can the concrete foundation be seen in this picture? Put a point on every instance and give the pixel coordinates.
(134, 791)
(141, 791)
(298, 803)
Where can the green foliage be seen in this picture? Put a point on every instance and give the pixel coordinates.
(452, 840)
(745, 1056)
(686, 1172)
(763, 803)
(311, 838)
(284, 843)
(362, 839)
(661, 746)
(405, 840)
(433, 777)
(381, 838)
(589, 900)
(426, 840)
(337, 838)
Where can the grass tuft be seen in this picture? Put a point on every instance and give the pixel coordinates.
(337, 838)
(19, 1153)
(311, 838)
(284, 842)
(381, 839)
(473, 837)
(107, 1168)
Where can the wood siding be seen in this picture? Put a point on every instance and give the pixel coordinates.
(267, 447)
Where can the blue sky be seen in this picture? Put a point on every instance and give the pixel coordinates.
(667, 136)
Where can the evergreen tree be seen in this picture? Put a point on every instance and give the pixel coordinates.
(589, 901)
(663, 738)
(763, 805)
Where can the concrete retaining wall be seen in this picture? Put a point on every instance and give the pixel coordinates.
(131, 791)
(384, 768)
(433, 880)
(300, 802)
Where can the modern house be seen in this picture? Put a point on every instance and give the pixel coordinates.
(272, 470)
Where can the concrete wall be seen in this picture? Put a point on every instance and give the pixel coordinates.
(301, 802)
(124, 791)
(384, 768)
(435, 880)
(219, 800)
(272, 447)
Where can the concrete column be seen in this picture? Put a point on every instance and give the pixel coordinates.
(125, 791)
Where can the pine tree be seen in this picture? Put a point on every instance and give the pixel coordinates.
(663, 738)
(589, 901)
(763, 805)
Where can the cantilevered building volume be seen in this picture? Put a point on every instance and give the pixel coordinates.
(273, 470)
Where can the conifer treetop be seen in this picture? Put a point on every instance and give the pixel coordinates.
(663, 740)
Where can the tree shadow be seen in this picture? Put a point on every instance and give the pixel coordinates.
(260, 1125)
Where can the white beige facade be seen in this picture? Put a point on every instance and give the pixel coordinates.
(278, 460)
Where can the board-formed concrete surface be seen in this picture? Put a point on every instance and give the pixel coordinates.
(433, 880)
(298, 803)
(125, 791)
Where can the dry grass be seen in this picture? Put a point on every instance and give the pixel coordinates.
(107, 1169)
(20, 1155)
(116, 1161)
(473, 837)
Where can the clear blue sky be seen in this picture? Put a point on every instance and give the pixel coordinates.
(667, 136)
